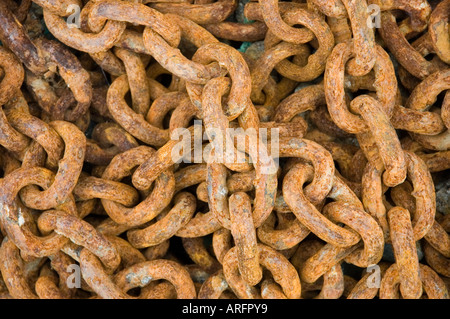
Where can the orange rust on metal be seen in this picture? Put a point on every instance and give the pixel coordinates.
(283, 273)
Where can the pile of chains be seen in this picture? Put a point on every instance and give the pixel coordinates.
(350, 97)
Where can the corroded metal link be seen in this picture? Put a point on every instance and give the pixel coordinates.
(423, 193)
(191, 175)
(238, 31)
(385, 80)
(13, 35)
(239, 97)
(81, 233)
(427, 123)
(373, 239)
(154, 165)
(439, 239)
(418, 10)
(315, 62)
(439, 142)
(59, 7)
(240, 105)
(305, 99)
(60, 262)
(283, 236)
(94, 187)
(46, 285)
(133, 122)
(283, 273)
(128, 254)
(406, 259)
(445, 110)
(167, 226)
(13, 75)
(10, 86)
(385, 137)
(200, 225)
(39, 131)
(172, 59)
(307, 213)
(146, 210)
(162, 105)
(267, 62)
(244, 236)
(272, 18)
(437, 161)
(213, 287)
(158, 251)
(359, 254)
(137, 80)
(222, 243)
(422, 182)
(365, 288)
(12, 267)
(199, 254)
(436, 260)
(426, 93)
(70, 69)
(141, 274)
(82, 41)
(432, 284)
(17, 221)
(405, 54)
(108, 133)
(271, 290)
(216, 123)
(93, 272)
(199, 13)
(363, 38)
(104, 10)
(358, 13)
(319, 157)
(333, 280)
(439, 32)
(69, 169)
